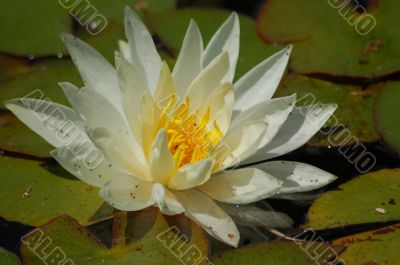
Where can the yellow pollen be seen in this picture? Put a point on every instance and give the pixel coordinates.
(191, 137)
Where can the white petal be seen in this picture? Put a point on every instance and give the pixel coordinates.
(127, 193)
(297, 177)
(191, 175)
(125, 50)
(244, 185)
(95, 70)
(161, 160)
(55, 123)
(220, 103)
(189, 62)
(274, 112)
(262, 80)
(165, 86)
(240, 143)
(166, 200)
(144, 54)
(149, 124)
(210, 78)
(133, 85)
(226, 39)
(300, 126)
(86, 162)
(108, 129)
(249, 215)
(204, 211)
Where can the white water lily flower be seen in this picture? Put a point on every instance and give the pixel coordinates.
(167, 138)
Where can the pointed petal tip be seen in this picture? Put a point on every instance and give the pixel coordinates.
(234, 15)
(193, 23)
(8, 103)
(127, 10)
(66, 37)
(161, 134)
(235, 242)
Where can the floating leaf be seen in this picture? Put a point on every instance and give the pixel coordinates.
(354, 112)
(159, 246)
(41, 82)
(32, 193)
(386, 113)
(327, 39)
(282, 253)
(17, 137)
(8, 258)
(105, 43)
(32, 27)
(171, 27)
(372, 247)
(373, 197)
(115, 10)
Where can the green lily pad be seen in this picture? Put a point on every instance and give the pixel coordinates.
(159, 246)
(17, 137)
(372, 247)
(171, 27)
(34, 192)
(354, 112)
(282, 253)
(386, 114)
(105, 43)
(41, 82)
(115, 10)
(8, 258)
(33, 28)
(373, 197)
(327, 42)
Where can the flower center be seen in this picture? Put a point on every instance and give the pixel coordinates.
(191, 136)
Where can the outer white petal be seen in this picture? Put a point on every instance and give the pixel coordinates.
(226, 39)
(297, 177)
(144, 54)
(55, 123)
(108, 129)
(133, 85)
(239, 143)
(191, 175)
(260, 83)
(86, 162)
(244, 185)
(204, 211)
(161, 160)
(189, 62)
(300, 126)
(127, 193)
(125, 49)
(274, 112)
(210, 78)
(250, 215)
(166, 200)
(95, 70)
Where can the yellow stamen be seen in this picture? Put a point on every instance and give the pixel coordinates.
(190, 138)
